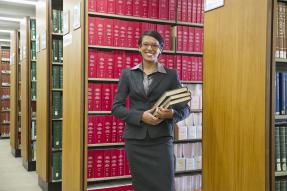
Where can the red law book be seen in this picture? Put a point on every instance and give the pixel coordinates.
(128, 60)
(114, 162)
(172, 10)
(136, 59)
(90, 164)
(199, 64)
(130, 35)
(185, 40)
(197, 39)
(92, 63)
(107, 129)
(201, 39)
(194, 10)
(106, 97)
(97, 95)
(167, 36)
(129, 7)
(123, 32)
(194, 69)
(109, 66)
(137, 8)
(145, 8)
(162, 59)
(190, 39)
(121, 162)
(184, 71)
(137, 33)
(98, 129)
(92, 5)
(109, 32)
(163, 10)
(120, 133)
(99, 163)
(107, 163)
(179, 10)
(120, 7)
(92, 31)
(100, 31)
(184, 10)
(179, 38)
(91, 135)
(119, 59)
(111, 4)
(114, 130)
(178, 59)
(101, 63)
(189, 68)
(128, 103)
(114, 91)
(101, 6)
(189, 10)
(126, 163)
(91, 102)
(153, 9)
(198, 11)
(170, 61)
(202, 12)
(117, 24)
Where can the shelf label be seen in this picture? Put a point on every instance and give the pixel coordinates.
(77, 16)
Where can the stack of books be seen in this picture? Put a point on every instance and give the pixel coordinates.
(179, 97)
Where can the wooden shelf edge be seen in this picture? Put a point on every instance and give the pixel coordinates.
(109, 178)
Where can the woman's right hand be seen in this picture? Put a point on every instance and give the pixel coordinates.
(148, 118)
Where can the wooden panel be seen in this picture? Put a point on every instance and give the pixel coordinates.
(42, 91)
(235, 96)
(73, 116)
(13, 91)
(25, 109)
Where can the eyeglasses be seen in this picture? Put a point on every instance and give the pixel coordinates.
(153, 46)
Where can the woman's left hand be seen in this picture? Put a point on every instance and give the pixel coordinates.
(163, 113)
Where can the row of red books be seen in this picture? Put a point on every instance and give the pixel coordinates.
(105, 129)
(5, 104)
(114, 188)
(189, 39)
(190, 11)
(121, 33)
(5, 91)
(107, 163)
(5, 53)
(5, 66)
(155, 9)
(109, 64)
(5, 116)
(4, 130)
(5, 78)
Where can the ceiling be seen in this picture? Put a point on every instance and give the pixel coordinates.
(11, 9)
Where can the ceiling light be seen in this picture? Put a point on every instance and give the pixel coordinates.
(5, 40)
(24, 2)
(10, 19)
(6, 31)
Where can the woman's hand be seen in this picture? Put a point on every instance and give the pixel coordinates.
(148, 118)
(163, 113)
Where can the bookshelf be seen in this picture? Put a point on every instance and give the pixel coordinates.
(280, 128)
(78, 79)
(28, 92)
(15, 124)
(49, 93)
(238, 103)
(5, 92)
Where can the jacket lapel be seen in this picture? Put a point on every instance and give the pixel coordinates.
(155, 82)
(137, 76)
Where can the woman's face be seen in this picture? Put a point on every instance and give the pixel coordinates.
(149, 49)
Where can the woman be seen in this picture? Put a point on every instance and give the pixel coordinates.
(148, 139)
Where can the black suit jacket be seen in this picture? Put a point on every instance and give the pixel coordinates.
(131, 84)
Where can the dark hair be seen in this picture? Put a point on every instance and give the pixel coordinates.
(153, 34)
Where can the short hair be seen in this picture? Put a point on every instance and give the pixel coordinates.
(153, 34)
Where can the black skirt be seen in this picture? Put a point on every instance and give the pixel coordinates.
(151, 163)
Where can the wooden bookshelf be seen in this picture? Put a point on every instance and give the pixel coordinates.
(15, 126)
(48, 162)
(27, 106)
(4, 92)
(75, 74)
(238, 92)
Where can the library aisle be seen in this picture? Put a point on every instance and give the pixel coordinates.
(13, 177)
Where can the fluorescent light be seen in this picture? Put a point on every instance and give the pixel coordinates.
(24, 2)
(10, 19)
(6, 31)
(5, 40)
